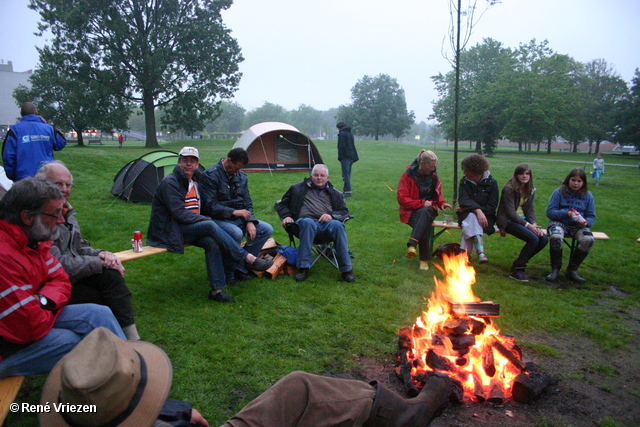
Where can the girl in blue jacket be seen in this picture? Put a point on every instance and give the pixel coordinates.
(572, 212)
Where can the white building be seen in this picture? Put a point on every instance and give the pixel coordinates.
(9, 80)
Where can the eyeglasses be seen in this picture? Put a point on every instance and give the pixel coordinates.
(66, 185)
(53, 215)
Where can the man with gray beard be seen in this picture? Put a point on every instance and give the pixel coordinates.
(37, 328)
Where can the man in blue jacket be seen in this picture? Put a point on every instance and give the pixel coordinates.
(347, 155)
(230, 206)
(29, 144)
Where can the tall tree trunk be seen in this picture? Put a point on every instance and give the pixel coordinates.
(150, 122)
(456, 111)
(549, 146)
(80, 140)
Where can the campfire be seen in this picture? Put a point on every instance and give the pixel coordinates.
(456, 336)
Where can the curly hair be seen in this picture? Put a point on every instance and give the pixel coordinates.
(475, 164)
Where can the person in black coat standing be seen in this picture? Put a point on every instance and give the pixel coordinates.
(347, 155)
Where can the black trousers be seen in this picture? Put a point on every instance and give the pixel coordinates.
(421, 220)
(107, 288)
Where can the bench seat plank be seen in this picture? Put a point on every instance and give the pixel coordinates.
(146, 251)
(9, 388)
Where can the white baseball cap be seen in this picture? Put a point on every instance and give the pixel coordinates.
(190, 151)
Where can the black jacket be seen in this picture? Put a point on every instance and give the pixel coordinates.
(225, 194)
(346, 145)
(293, 199)
(483, 195)
(168, 211)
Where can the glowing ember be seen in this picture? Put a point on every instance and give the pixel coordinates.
(461, 342)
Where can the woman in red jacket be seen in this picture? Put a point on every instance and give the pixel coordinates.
(420, 197)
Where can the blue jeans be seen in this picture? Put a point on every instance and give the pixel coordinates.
(346, 174)
(533, 245)
(236, 230)
(71, 326)
(215, 242)
(332, 231)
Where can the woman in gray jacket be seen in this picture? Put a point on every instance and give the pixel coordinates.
(517, 216)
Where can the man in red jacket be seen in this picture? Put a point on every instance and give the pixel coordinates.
(36, 326)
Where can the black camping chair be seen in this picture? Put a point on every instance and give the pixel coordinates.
(321, 248)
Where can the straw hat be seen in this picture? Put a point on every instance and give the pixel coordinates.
(127, 381)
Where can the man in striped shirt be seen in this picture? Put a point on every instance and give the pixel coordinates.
(37, 328)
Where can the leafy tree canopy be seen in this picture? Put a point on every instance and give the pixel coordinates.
(172, 53)
(379, 108)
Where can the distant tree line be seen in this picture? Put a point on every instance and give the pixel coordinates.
(534, 96)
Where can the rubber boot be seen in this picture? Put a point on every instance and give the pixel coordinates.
(391, 410)
(575, 261)
(556, 262)
(478, 240)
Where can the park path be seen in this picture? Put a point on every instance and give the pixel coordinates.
(566, 161)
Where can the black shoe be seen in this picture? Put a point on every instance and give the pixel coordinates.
(241, 276)
(220, 297)
(260, 264)
(233, 282)
(301, 275)
(348, 276)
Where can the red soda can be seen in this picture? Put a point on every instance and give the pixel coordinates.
(137, 241)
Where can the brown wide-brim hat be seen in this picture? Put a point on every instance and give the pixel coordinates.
(127, 381)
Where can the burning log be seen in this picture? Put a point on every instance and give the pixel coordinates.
(405, 339)
(495, 343)
(488, 362)
(405, 374)
(480, 309)
(478, 391)
(437, 362)
(462, 341)
(456, 326)
(530, 384)
(496, 395)
(477, 327)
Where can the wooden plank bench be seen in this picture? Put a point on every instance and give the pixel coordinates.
(598, 235)
(128, 255)
(9, 388)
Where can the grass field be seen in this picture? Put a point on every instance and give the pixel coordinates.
(224, 355)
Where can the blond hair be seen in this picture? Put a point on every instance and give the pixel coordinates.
(427, 156)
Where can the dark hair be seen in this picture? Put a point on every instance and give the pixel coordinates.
(475, 163)
(341, 125)
(238, 155)
(515, 184)
(579, 173)
(29, 194)
(28, 108)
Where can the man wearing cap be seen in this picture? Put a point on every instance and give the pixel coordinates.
(96, 276)
(347, 155)
(317, 212)
(176, 220)
(29, 144)
(231, 207)
(37, 327)
(102, 367)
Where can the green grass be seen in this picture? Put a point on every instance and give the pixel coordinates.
(224, 355)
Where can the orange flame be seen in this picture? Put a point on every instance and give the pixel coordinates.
(479, 366)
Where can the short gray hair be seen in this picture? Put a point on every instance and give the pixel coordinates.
(29, 194)
(320, 165)
(43, 172)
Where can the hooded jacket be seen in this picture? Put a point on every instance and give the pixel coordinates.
(346, 145)
(414, 188)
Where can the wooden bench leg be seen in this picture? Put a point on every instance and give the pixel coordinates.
(432, 238)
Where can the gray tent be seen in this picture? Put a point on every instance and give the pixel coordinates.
(276, 147)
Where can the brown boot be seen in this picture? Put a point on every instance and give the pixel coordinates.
(391, 410)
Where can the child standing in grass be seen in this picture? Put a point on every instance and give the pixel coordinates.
(572, 212)
(598, 168)
(517, 216)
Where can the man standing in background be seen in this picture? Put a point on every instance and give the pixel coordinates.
(29, 144)
(347, 155)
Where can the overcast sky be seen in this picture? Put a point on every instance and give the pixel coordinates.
(313, 52)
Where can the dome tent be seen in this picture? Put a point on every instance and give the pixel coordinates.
(276, 147)
(137, 180)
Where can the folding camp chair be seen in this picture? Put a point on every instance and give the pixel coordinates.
(321, 248)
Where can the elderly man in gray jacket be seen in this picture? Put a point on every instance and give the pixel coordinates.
(96, 276)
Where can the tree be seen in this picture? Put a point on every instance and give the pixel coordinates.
(73, 96)
(231, 119)
(267, 113)
(603, 90)
(173, 53)
(628, 131)
(378, 108)
(307, 119)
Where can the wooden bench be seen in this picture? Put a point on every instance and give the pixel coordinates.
(9, 388)
(433, 235)
(146, 251)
